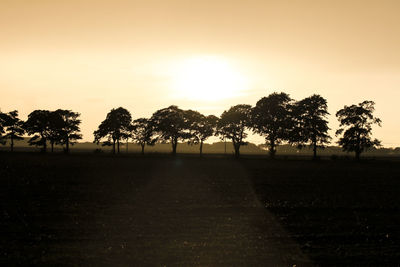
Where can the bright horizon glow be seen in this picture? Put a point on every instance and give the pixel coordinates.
(207, 78)
(91, 56)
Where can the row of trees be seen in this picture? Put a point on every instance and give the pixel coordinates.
(54, 127)
(170, 124)
(277, 117)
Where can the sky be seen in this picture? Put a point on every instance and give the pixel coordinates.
(92, 56)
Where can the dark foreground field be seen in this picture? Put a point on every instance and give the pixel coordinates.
(100, 210)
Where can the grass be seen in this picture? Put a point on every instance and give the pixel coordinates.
(102, 210)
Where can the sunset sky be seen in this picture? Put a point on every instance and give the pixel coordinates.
(91, 56)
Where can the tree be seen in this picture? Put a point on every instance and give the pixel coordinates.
(39, 126)
(115, 127)
(271, 119)
(232, 125)
(201, 127)
(356, 126)
(143, 132)
(13, 127)
(68, 128)
(171, 125)
(2, 141)
(311, 127)
(55, 124)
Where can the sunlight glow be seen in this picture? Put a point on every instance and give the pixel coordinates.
(207, 78)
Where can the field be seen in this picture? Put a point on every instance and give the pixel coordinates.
(104, 210)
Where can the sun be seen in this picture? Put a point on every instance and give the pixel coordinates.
(207, 78)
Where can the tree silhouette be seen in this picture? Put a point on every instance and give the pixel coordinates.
(232, 125)
(13, 127)
(171, 125)
(68, 128)
(143, 132)
(271, 119)
(311, 127)
(55, 124)
(2, 141)
(201, 127)
(115, 127)
(38, 125)
(356, 126)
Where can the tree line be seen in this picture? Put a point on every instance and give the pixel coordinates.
(277, 117)
(44, 126)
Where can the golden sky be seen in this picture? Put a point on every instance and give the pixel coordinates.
(91, 56)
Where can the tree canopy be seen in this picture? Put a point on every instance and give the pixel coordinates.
(201, 127)
(143, 132)
(276, 117)
(311, 126)
(55, 124)
(68, 129)
(2, 141)
(232, 125)
(356, 127)
(171, 125)
(38, 125)
(114, 128)
(12, 126)
(271, 118)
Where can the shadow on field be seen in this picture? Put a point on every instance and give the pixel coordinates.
(339, 212)
(118, 211)
(157, 210)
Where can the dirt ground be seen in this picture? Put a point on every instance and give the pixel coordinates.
(104, 210)
(107, 211)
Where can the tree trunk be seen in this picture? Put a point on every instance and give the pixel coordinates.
(44, 145)
(118, 145)
(272, 148)
(315, 151)
(12, 143)
(201, 148)
(358, 149)
(237, 150)
(67, 145)
(225, 145)
(113, 146)
(142, 148)
(52, 146)
(358, 155)
(174, 145)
